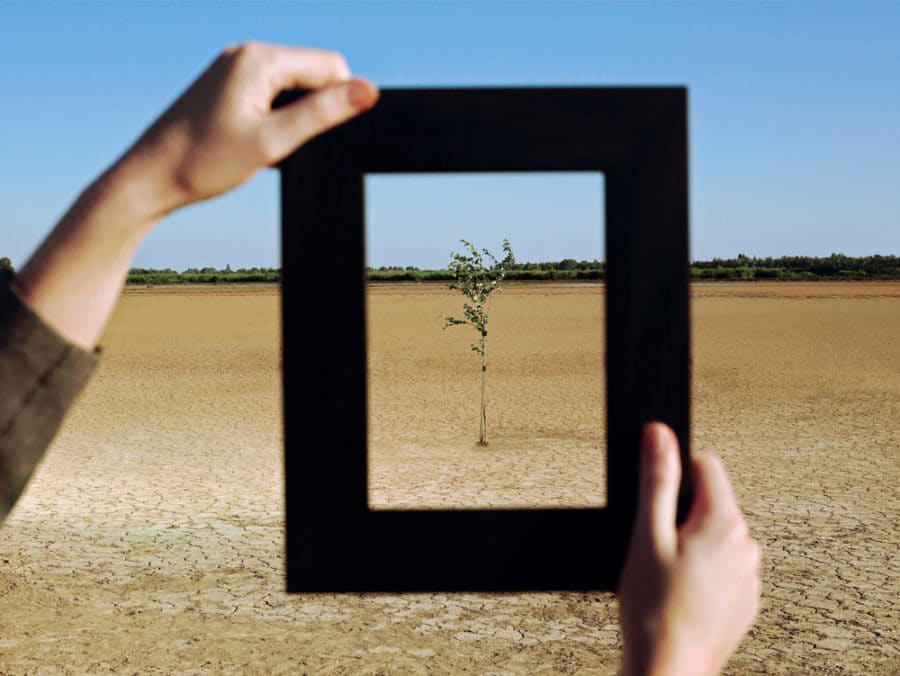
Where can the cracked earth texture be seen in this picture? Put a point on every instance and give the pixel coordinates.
(150, 540)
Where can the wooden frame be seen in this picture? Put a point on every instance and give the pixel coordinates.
(637, 137)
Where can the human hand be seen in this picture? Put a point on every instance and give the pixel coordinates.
(687, 595)
(222, 129)
(213, 138)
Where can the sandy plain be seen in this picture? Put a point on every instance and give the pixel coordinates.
(150, 540)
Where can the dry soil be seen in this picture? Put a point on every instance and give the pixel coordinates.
(150, 540)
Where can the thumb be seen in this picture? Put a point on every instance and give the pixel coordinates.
(318, 111)
(660, 475)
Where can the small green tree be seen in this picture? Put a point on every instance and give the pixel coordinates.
(6, 264)
(478, 281)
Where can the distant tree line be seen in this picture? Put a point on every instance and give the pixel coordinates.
(518, 272)
(203, 275)
(835, 266)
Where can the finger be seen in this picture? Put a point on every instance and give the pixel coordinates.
(304, 68)
(713, 496)
(293, 125)
(660, 475)
(278, 67)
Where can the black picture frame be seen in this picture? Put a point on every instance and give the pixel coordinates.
(635, 136)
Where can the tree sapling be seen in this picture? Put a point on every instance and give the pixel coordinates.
(477, 282)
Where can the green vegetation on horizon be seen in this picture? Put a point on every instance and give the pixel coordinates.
(836, 266)
(788, 268)
(203, 276)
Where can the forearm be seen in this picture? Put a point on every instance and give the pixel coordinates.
(75, 277)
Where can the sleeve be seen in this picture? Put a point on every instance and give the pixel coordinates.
(41, 374)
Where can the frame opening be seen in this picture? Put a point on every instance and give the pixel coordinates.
(544, 384)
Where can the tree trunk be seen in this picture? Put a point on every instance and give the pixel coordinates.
(483, 440)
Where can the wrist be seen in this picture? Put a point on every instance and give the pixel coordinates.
(130, 189)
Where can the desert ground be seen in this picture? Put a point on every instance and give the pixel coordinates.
(150, 540)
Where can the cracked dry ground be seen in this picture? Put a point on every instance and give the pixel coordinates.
(151, 538)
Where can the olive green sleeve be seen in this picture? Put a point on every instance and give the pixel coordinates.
(41, 374)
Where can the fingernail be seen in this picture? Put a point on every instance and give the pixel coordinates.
(361, 94)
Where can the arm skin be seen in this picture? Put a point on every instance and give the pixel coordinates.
(212, 139)
(687, 595)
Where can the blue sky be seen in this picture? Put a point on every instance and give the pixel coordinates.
(546, 216)
(794, 114)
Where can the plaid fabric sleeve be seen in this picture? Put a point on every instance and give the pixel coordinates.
(41, 374)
